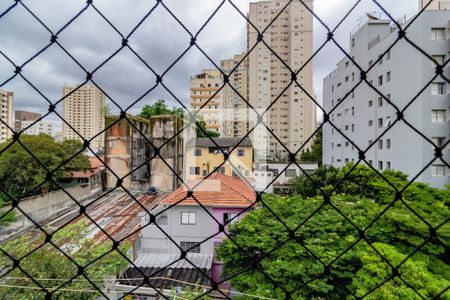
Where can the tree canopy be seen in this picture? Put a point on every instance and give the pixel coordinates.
(319, 234)
(20, 172)
(53, 269)
(160, 108)
(315, 153)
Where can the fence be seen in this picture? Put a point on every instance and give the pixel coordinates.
(256, 260)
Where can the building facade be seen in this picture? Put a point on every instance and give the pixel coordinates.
(130, 152)
(365, 115)
(435, 4)
(6, 115)
(21, 115)
(191, 225)
(202, 157)
(235, 110)
(203, 87)
(293, 116)
(45, 127)
(84, 109)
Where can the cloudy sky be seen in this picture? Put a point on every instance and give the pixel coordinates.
(159, 41)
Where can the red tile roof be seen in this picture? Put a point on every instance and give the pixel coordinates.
(95, 162)
(217, 190)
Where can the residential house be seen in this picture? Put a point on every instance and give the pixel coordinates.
(193, 219)
(204, 155)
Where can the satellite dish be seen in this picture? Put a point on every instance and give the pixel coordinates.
(372, 17)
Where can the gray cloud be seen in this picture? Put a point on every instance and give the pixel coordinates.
(159, 41)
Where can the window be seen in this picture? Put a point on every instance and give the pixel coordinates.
(437, 115)
(380, 165)
(290, 173)
(370, 123)
(194, 170)
(353, 127)
(438, 141)
(229, 217)
(241, 152)
(388, 143)
(439, 59)
(438, 33)
(380, 101)
(191, 247)
(438, 88)
(388, 76)
(370, 103)
(380, 122)
(380, 80)
(380, 144)
(188, 218)
(388, 54)
(197, 152)
(388, 165)
(437, 170)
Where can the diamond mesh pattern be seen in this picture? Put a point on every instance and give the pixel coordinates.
(255, 261)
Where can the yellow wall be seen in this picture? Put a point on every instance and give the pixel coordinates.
(209, 161)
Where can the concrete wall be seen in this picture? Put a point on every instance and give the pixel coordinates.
(45, 206)
(163, 168)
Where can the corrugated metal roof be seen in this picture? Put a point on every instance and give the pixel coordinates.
(162, 260)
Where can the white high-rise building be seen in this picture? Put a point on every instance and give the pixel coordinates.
(85, 111)
(293, 116)
(236, 118)
(6, 115)
(400, 75)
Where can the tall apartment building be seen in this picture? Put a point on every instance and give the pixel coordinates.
(202, 87)
(84, 110)
(21, 115)
(293, 117)
(235, 110)
(6, 115)
(399, 75)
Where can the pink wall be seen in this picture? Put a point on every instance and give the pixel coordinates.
(217, 266)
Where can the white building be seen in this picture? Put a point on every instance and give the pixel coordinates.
(275, 177)
(6, 115)
(45, 127)
(364, 115)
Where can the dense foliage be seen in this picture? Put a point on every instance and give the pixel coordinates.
(20, 172)
(325, 237)
(315, 153)
(52, 269)
(160, 108)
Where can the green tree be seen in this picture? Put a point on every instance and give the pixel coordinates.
(202, 132)
(20, 172)
(327, 235)
(52, 269)
(315, 154)
(160, 108)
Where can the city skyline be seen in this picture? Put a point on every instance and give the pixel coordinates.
(123, 85)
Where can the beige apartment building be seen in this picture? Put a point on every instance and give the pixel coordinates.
(203, 87)
(236, 117)
(435, 4)
(6, 115)
(84, 110)
(293, 117)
